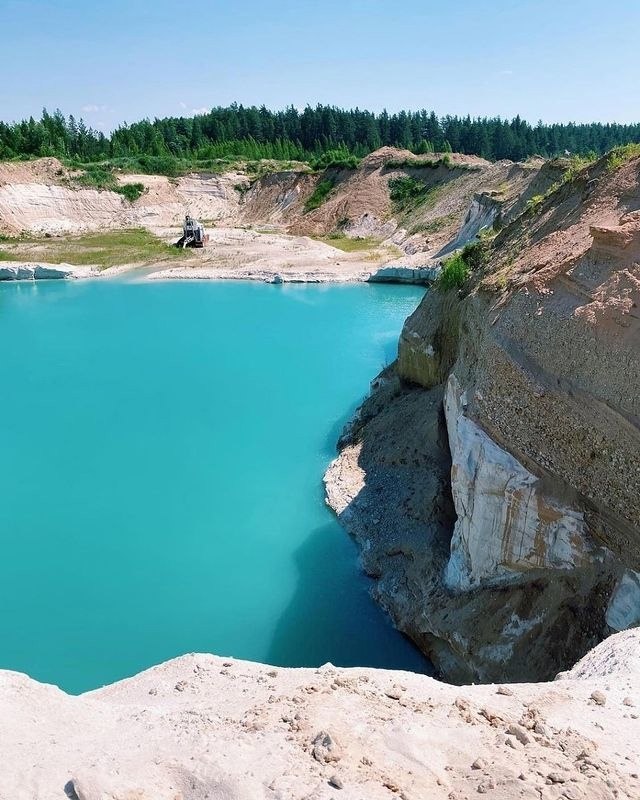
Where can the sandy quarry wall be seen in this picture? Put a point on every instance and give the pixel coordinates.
(40, 197)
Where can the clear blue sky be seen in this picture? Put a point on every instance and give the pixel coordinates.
(555, 60)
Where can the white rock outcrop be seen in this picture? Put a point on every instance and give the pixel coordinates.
(505, 524)
(624, 606)
(23, 271)
(399, 274)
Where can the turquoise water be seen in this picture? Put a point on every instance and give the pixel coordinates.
(161, 454)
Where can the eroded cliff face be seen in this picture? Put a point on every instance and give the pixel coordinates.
(525, 550)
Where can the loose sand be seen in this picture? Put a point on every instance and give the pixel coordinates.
(207, 727)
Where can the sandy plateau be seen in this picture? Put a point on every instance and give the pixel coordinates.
(246, 254)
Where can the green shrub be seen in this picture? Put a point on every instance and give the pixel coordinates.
(132, 191)
(101, 177)
(534, 203)
(429, 163)
(475, 254)
(319, 195)
(454, 274)
(457, 268)
(337, 159)
(620, 155)
(96, 177)
(406, 192)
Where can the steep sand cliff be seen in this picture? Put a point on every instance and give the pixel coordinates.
(493, 478)
(206, 727)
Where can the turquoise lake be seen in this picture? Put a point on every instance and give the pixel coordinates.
(162, 447)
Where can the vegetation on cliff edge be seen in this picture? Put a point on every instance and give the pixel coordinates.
(239, 132)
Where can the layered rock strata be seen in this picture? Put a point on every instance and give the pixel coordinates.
(510, 552)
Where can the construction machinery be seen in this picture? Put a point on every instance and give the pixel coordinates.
(193, 234)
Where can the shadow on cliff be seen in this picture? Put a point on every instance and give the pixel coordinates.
(332, 617)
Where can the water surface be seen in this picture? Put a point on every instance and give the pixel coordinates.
(161, 453)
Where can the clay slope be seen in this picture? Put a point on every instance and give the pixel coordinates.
(463, 196)
(505, 444)
(205, 727)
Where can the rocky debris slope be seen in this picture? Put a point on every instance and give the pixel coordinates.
(206, 727)
(461, 196)
(493, 478)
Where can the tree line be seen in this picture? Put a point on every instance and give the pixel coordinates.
(291, 134)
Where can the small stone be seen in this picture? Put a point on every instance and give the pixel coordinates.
(394, 694)
(556, 777)
(628, 702)
(325, 748)
(598, 697)
(273, 673)
(180, 686)
(572, 793)
(153, 691)
(519, 732)
(504, 690)
(479, 763)
(542, 730)
(484, 787)
(511, 743)
(336, 782)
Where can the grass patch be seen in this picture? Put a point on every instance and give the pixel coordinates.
(408, 193)
(132, 191)
(347, 244)
(576, 165)
(319, 195)
(106, 249)
(102, 178)
(620, 155)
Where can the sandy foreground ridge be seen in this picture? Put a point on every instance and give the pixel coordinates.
(202, 726)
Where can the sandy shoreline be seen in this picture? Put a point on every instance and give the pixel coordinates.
(232, 254)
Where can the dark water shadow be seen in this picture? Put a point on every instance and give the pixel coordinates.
(337, 429)
(332, 617)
